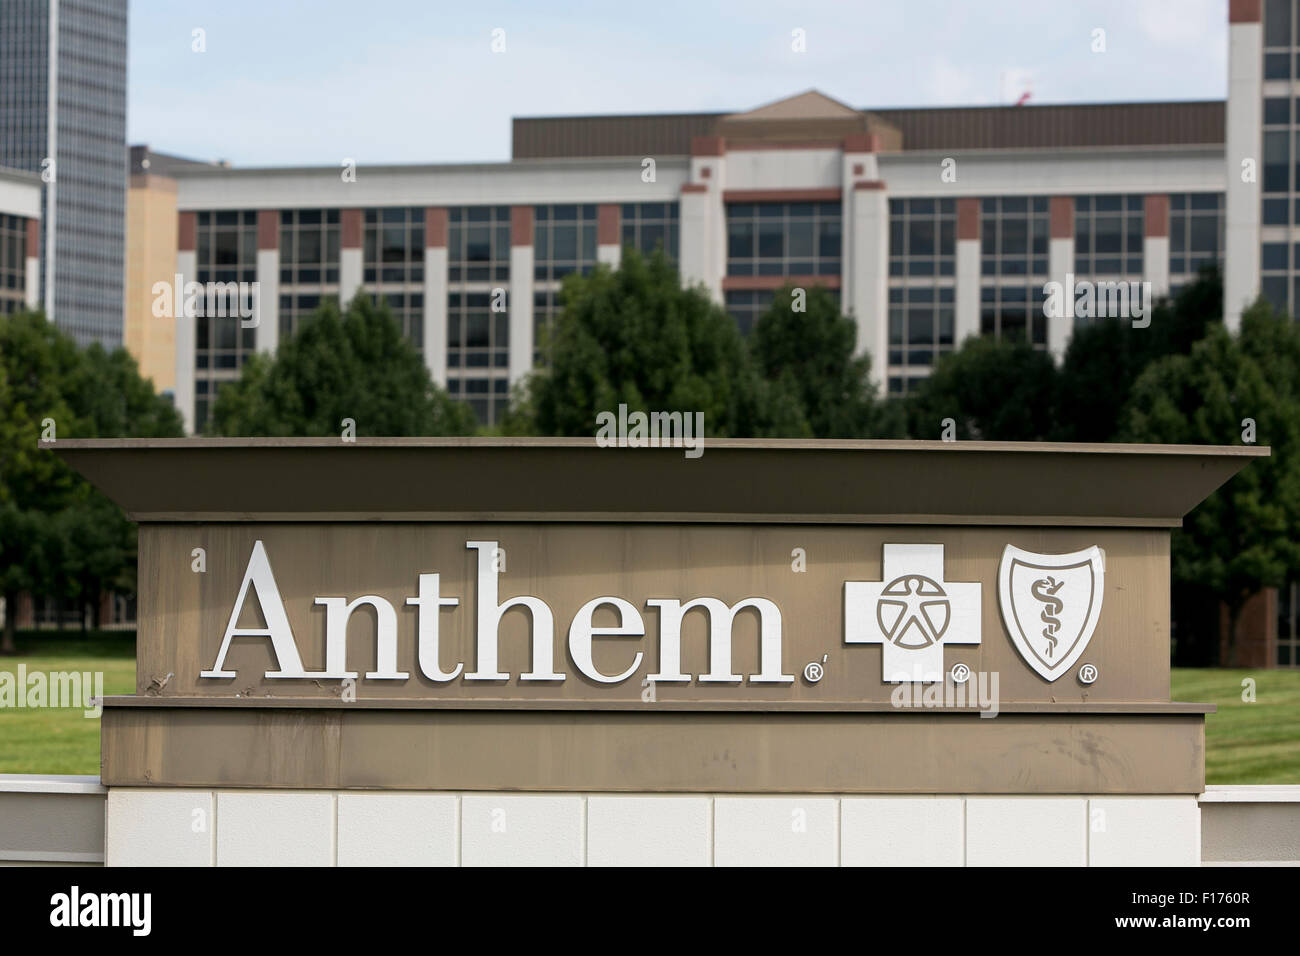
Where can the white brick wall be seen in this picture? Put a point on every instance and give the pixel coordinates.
(282, 828)
(159, 828)
(902, 831)
(1026, 831)
(398, 829)
(775, 831)
(1127, 831)
(260, 827)
(522, 830)
(649, 831)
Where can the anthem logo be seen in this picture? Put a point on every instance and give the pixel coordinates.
(912, 613)
(1050, 605)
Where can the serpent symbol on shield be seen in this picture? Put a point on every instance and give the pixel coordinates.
(1051, 604)
(1045, 590)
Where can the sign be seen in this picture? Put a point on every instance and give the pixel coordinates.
(681, 613)
(912, 613)
(530, 615)
(1051, 604)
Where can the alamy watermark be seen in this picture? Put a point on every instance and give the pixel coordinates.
(651, 430)
(978, 689)
(190, 300)
(57, 689)
(1086, 299)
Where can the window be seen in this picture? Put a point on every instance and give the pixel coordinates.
(478, 244)
(393, 265)
(564, 243)
(1196, 233)
(922, 237)
(13, 263)
(1013, 235)
(1108, 235)
(477, 336)
(478, 278)
(1277, 161)
(478, 353)
(747, 306)
(1014, 313)
(783, 239)
(921, 328)
(649, 226)
(309, 263)
(225, 251)
(1277, 23)
(487, 397)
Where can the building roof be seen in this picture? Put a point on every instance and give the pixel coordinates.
(20, 176)
(1188, 123)
(146, 162)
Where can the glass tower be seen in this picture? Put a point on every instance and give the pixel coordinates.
(63, 114)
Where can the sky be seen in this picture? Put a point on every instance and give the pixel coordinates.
(312, 82)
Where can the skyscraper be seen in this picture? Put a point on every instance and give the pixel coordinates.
(63, 115)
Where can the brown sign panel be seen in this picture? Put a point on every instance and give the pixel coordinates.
(685, 614)
(549, 615)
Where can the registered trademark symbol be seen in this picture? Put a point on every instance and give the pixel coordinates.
(1087, 673)
(814, 670)
(960, 674)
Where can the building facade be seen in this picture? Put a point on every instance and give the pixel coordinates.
(63, 115)
(929, 225)
(20, 229)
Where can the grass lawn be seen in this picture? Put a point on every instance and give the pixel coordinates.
(1246, 742)
(49, 740)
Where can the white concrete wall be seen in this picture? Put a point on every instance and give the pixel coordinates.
(610, 254)
(1060, 265)
(1155, 254)
(784, 169)
(1250, 826)
(268, 300)
(1063, 172)
(350, 273)
(32, 281)
(1244, 144)
(20, 194)
(51, 820)
(520, 303)
(186, 334)
(518, 183)
(870, 263)
(967, 291)
(696, 240)
(435, 314)
(263, 827)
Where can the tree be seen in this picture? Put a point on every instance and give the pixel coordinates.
(1247, 534)
(992, 390)
(59, 537)
(1105, 358)
(634, 336)
(810, 353)
(355, 365)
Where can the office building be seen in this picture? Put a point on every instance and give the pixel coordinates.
(63, 116)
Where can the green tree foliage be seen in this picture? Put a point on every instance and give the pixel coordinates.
(356, 365)
(59, 537)
(634, 336)
(1244, 536)
(809, 355)
(993, 391)
(1106, 357)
